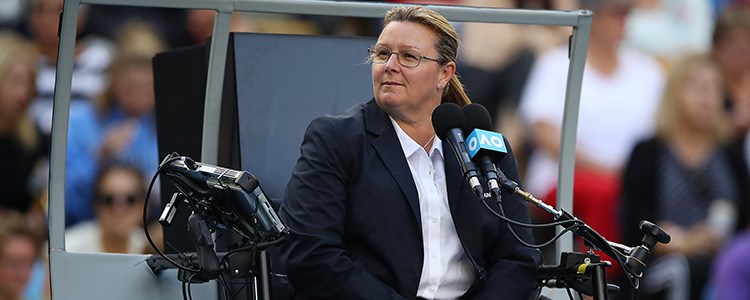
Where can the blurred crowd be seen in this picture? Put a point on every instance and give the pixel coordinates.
(663, 130)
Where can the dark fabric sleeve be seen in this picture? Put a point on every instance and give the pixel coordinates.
(739, 166)
(513, 267)
(315, 206)
(639, 191)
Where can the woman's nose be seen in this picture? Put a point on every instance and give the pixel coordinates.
(392, 63)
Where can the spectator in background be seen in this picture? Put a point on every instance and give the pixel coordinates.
(20, 250)
(495, 64)
(718, 7)
(138, 39)
(199, 24)
(13, 15)
(731, 48)
(108, 20)
(119, 126)
(92, 56)
(119, 192)
(668, 29)
(497, 58)
(23, 149)
(619, 94)
(687, 181)
(731, 271)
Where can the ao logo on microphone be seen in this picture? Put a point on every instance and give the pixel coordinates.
(485, 140)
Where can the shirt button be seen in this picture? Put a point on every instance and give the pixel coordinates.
(434, 255)
(434, 220)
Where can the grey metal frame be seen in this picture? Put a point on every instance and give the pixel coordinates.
(579, 20)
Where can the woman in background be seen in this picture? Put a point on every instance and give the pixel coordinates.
(685, 179)
(20, 252)
(731, 45)
(120, 126)
(118, 204)
(23, 149)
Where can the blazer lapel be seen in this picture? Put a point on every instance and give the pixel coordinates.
(378, 123)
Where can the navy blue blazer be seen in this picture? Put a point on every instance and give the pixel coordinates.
(353, 210)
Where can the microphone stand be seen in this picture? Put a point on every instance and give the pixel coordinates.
(577, 268)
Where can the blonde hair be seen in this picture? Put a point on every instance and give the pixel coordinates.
(136, 44)
(667, 116)
(139, 38)
(13, 49)
(446, 45)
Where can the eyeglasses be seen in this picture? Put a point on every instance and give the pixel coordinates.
(407, 58)
(109, 199)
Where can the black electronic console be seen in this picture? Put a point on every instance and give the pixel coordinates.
(229, 198)
(219, 199)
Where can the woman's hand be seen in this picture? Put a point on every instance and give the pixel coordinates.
(699, 240)
(117, 138)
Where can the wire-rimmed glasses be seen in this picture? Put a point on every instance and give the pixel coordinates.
(407, 57)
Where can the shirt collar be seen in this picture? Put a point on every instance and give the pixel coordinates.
(409, 146)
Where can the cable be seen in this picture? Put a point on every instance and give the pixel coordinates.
(254, 247)
(145, 219)
(223, 283)
(509, 221)
(190, 280)
(184, 291)
(616, 254)
(528, 225)
(570, 294)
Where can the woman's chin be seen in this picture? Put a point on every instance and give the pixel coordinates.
(389, 99)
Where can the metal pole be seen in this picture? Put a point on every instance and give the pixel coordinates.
(579, 47)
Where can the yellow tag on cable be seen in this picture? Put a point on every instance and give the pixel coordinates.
(582, 268)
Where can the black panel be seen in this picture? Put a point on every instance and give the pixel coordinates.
(179, 86)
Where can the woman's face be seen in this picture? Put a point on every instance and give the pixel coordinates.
(732, 52)
(409, 92)
(17, 258)
(608, 26)
(701, 96)
(120, 203)
(135, 90)
(16, 90)
(45, 19)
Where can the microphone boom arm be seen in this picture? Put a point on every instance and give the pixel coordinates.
(632, 259)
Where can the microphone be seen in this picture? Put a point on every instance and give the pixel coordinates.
(449, 123)
(485, 147)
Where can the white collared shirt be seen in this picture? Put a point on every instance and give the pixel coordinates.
(446, 271)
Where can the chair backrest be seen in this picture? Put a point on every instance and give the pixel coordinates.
(282, 83)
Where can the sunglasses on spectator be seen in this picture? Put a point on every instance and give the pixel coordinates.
(109, 199)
